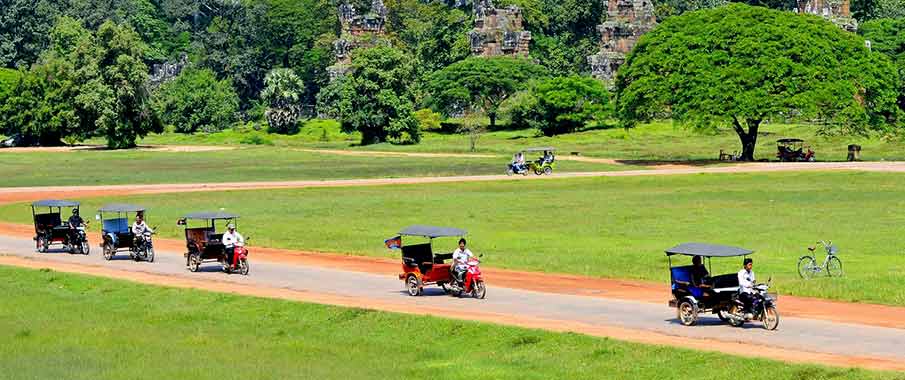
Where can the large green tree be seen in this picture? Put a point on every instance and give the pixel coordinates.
(888, 37)
(375, 98)
(565, 104)
(282, 93)
(741, 65)
(481, 84)
(196, 101)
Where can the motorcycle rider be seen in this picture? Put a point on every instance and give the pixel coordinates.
(231, 239)
(75, 221)
(746, 282)
(460, 261)
(139, 228)
(518, 162)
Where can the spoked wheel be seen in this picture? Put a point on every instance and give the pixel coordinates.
(243, 267)
(149, 254)
(194, 262)
(445, 287)
(735, 322)
(771, 318)
(413, 285)
(510, 172)
(548, 170)
(834, 267)
(687, 313)
(807, 267)
(42, 244)
(479, 291)
(108, 250)
(723, 315)
(538, 172)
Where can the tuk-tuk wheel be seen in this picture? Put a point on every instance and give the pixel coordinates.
(194, 262)
(42, 244)
(86, 248)
(149, 255)
(413, 285)
(479, 291)
(687, 313)
(243, 267)
(771, 318)
(108, 251)
(548, 170)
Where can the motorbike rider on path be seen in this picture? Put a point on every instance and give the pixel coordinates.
(139, 228)
(460, 261)
(231, 239)
(75, 221)
(746, 283)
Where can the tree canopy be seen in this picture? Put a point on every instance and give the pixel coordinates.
(481, 84)
(197, 102)
(888, 37)
(741, 65)
(566, 104)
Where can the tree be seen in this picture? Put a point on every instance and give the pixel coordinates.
(375, 98)
(481, 84)
(668, 8)
(566, 104)
(888, 37)
(741, 65)
(196, 101)
(473, 128)
(282, 93)
(24, 25)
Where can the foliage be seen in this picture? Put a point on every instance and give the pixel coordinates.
(196, 101)
(24, 27)
(436, 35)
(888, 37)
(567, 104)
(282, 95)
(428, 120)
(667, 8)
(742, 65)
(8, 79)
(472, 127)
(86, 84)
(481, 84)
(375, 98)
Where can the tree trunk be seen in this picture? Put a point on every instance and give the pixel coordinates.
(492, 116)
(748, 138)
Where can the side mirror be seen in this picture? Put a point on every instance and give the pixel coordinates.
(180, 222)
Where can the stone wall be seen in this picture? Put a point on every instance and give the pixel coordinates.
(626, 21)
(837, 11)
(498, 31)
(356, 31)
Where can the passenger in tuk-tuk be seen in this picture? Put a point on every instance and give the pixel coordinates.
(460, 261)
(699, 273)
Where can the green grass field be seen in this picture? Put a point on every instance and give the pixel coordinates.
(606, 227)
(64, 326)
(98, 167)
(657, 141)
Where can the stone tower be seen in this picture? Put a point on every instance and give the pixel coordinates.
(356, 31)
(626, 21)
(837, 11)
(498, 31)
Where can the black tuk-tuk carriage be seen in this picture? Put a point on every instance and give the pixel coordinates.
(695, 291)
(793, 150)
(50, 227)
(204, 243)
(116, 232)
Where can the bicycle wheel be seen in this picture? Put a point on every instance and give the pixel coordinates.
(807, 267)
(834, 267)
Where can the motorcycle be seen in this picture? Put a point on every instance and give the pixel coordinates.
(143, 248)
(473, 284)
(512, 168)
(80, 245)
(240, 262)
(763, 309)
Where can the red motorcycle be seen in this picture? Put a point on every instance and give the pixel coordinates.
(240, 261)
(474, 281)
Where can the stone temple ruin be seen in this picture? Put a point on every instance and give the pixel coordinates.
(357, 30)
(498, 31)
(837, 11)
(626, 21)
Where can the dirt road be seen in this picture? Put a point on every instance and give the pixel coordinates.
(797, 340)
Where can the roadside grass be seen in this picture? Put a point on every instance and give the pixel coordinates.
(655, 141)
(601, 227)
(57, 325)
(101, 167)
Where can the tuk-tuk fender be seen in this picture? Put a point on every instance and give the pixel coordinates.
(675, 301)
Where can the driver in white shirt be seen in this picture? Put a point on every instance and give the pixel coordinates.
(139, 227)
(231, 240)
(746, 282)
(460, 261)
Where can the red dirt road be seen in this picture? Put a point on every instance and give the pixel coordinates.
(811, 308)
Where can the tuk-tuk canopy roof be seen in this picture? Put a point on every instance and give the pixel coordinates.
(707, 250)
(211, 215)
(432, 232)
(121, 207)
(55, 203)
(786, 141)
(540, 149)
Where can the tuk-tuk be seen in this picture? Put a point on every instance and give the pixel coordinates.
(695, 291)
(544, 164)
(793, 150)
(117, 235)
(204, 243)
(50, 228)
(421, 266)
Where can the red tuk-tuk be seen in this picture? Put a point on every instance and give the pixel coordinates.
(421, 266)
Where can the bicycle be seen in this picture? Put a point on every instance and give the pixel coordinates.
(807, 265)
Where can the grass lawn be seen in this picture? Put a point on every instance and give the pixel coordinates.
(656, 141)
(56, 326)
(606, 227)
(98, 167)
